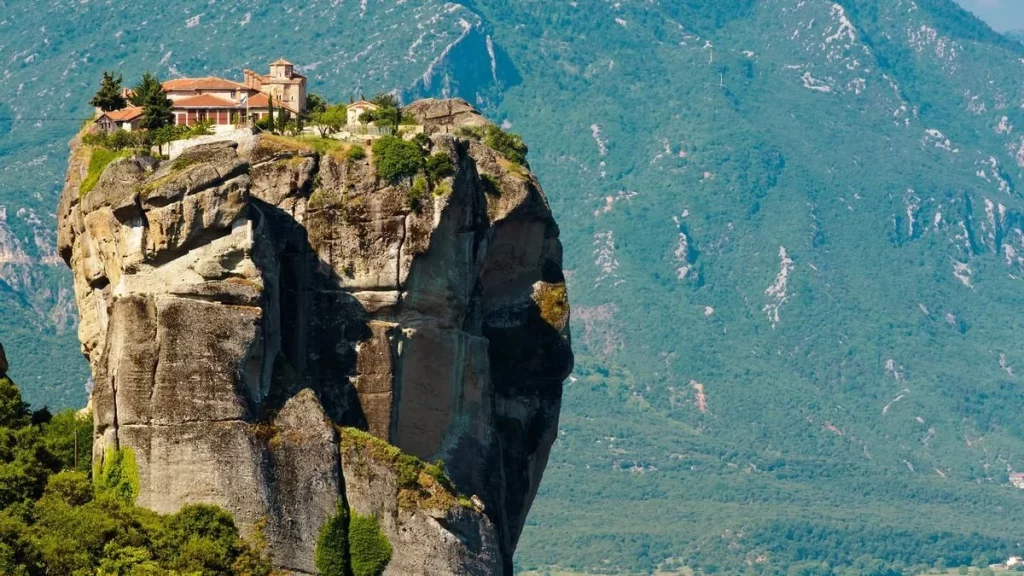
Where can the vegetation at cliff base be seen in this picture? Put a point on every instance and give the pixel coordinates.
(54, 519)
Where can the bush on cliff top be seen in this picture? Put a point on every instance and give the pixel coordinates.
(395, 159)
(511, 146)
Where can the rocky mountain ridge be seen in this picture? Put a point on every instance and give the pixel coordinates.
(244, 304)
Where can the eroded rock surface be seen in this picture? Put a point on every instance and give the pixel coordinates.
(241, 303)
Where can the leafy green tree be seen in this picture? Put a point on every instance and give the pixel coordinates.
(330, 120)
(14, 412)
(203, 539)
(315, 103)
(386, 100)
(110, 96)
(68, 437)
(395, 158)
(162, 136)
(388, 113)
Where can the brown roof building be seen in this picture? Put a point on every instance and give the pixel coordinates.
(221, 101)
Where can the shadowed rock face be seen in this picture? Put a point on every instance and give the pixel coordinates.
(241, 303)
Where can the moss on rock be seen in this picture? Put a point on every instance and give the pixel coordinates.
(369, 547)
(99, 159)
(553, 302)
(421, 484)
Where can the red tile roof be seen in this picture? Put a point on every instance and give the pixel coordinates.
(206, 101)
(207, 83)
(262, 101)
(258, 101)
(124, 114)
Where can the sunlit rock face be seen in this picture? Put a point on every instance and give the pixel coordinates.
(242, 302)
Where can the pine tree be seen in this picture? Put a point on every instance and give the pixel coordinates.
(145, 89)
(157, 108)
(109, 96)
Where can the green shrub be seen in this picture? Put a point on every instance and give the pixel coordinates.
(368, 545)
(71, 487)
(442, 189)
(119, 474)
(98, 162)
(423, 141)
(492, 187)
(395, 158)
(511, 146)
(355, 154)
(331, 555)
(409, 468)
(418, 192)
(204, 537)
(439, 165)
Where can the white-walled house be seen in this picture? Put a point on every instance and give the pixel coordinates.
(357, 109)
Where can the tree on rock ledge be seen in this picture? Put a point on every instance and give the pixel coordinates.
(157, 109)
(109, 96)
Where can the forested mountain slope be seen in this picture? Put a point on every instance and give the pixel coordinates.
(793, 232)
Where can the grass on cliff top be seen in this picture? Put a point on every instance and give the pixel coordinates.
(420, 484)
(339, 150)
(99, 159)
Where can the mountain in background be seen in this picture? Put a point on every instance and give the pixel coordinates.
(793, 233)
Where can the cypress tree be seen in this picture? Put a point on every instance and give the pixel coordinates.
(270, 116)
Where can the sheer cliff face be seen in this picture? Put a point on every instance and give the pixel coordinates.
(243, 302)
